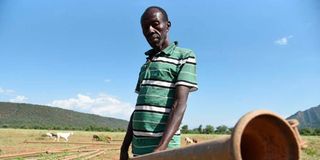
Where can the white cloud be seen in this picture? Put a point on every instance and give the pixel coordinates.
(12, 96)
(6, 91)
(19, 99)
(103, 104)
(107, 80)
(283, 41)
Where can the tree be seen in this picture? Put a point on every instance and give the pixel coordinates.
(306, 131)
(317, 132)
(221, 129)
(230, 129)
(209, 129)
(200, 129)
(184, 129)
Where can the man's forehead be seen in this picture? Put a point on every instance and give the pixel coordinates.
(152, 13)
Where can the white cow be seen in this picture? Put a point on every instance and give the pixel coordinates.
(65, 136)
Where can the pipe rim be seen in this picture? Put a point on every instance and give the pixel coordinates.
(242, 124)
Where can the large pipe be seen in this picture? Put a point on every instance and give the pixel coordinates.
(258, 135)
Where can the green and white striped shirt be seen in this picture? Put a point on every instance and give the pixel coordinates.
(156, 85)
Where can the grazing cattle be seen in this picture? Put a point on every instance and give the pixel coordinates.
(49, 135)
(95, 137)
(65, 136)
(108, 139)
(190, 140)
(194, 140)
(52, 135)
(101, 138)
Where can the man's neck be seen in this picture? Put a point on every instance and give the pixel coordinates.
(164, 45)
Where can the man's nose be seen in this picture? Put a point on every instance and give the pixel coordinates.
(151, 29)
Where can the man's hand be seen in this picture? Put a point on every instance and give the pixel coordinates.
(160, 148)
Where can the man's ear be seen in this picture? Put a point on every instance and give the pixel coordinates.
(169, 24)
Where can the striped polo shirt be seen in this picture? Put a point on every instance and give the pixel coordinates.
(156, 85)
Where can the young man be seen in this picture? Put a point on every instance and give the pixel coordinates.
(164, 83)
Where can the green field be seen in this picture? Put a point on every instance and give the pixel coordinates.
(20, 141)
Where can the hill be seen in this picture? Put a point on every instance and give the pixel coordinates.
(20, 115)
(309, 118)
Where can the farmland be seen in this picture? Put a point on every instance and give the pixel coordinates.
(15, 143)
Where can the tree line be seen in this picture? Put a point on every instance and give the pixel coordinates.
(223, 129)
(310, 131)
(208, 129)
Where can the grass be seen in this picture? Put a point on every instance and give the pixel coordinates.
(313, 150)
(12, 141)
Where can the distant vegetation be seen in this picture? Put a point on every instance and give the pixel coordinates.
(208, 129)
(29, 116)
(310, 131)
(309, 124)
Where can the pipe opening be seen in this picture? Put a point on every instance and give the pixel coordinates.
(266, 137)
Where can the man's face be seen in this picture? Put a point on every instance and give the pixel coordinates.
(155, 29)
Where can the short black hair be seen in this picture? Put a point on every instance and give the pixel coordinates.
(164, 13)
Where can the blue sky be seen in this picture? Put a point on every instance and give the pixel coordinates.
(85, 55)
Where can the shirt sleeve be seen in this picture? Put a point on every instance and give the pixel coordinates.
(138, 85)
(187, 75)
(137, 89)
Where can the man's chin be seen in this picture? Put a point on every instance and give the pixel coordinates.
(155, 46)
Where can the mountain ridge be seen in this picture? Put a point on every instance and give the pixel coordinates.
(309, 118)
(24, 115)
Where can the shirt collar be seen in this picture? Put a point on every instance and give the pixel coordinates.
(167, 51)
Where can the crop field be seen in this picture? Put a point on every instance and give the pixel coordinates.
(25, 144)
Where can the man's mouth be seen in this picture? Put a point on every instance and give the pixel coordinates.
(154, 38)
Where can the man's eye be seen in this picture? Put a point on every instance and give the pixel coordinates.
(155, 23)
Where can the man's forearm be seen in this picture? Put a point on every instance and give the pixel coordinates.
(173, 124)
(128, 137)
(175, 116)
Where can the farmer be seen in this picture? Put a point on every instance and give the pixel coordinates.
(165, 80)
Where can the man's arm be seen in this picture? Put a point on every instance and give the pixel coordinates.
(126, 142)
(175, 116)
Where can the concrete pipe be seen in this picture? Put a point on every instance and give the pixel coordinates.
(258, 135)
